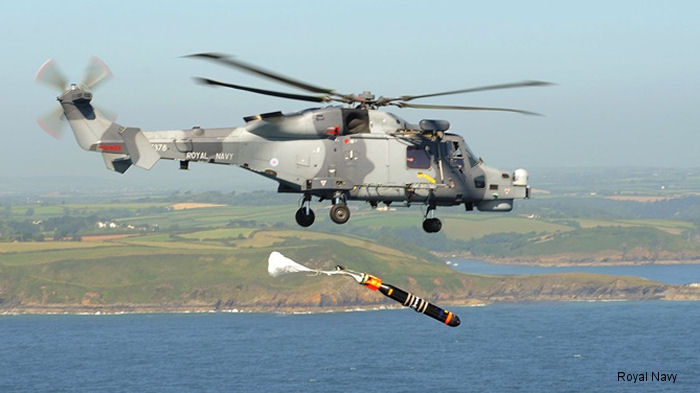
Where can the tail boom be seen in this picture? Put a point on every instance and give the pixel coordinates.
(120, 146)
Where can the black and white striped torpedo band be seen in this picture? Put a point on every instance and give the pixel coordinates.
(410, 300)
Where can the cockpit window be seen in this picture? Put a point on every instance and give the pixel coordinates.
(456, 155)
(459, 151)
(471, 156)
(456, 151)
(417, 157)
(480, 181)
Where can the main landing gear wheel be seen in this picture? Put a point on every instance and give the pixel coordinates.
(305, 216)
(340, 214)
(432, 225)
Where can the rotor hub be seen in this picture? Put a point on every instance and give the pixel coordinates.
(366, 96)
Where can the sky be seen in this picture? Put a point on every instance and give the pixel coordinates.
(627, 74)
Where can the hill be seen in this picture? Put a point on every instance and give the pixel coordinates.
(225, 269)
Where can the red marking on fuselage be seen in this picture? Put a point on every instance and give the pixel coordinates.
(110, 147)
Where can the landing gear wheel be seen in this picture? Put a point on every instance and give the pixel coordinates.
(304, 219)
(340, 214)
(437, 225)
(432, 225)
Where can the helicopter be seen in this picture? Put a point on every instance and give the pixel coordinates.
(347, 150)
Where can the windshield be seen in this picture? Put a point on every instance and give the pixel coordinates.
(460, 149)
(473, 160)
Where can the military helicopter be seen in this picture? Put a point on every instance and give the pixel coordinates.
(340, 153)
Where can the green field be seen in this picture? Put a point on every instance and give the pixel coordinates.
(481, 234)
(469, 228)
(552, 226)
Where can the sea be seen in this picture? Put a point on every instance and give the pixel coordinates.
(505, 347)
(679, 274)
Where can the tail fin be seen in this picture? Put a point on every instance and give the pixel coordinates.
(120, 146)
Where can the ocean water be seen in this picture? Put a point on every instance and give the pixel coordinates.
(669, 274)
(539, 347)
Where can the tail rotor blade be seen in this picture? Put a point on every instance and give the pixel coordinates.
(106, 113)
(50, 75)
(52, 122)
(96, 72)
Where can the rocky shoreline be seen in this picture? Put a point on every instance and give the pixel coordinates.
(616, 291)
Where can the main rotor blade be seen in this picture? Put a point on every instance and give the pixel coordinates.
(49, 74)
(300, 97)
(226, 60)
(463, 108)
(474, 89)
(96, 72)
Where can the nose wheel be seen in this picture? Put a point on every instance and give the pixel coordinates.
(431, 224)
(305, 216)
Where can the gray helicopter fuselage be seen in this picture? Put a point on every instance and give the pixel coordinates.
(365, 154)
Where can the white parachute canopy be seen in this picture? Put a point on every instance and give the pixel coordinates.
(278, 264)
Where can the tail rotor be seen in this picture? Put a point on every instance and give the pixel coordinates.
(53, 122)
(50, 75)
(96, 72)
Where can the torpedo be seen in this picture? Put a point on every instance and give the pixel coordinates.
(278, 264)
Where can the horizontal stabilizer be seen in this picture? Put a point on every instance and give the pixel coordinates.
(140, 150)
(117, 162)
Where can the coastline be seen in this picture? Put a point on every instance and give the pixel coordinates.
(673, 293)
